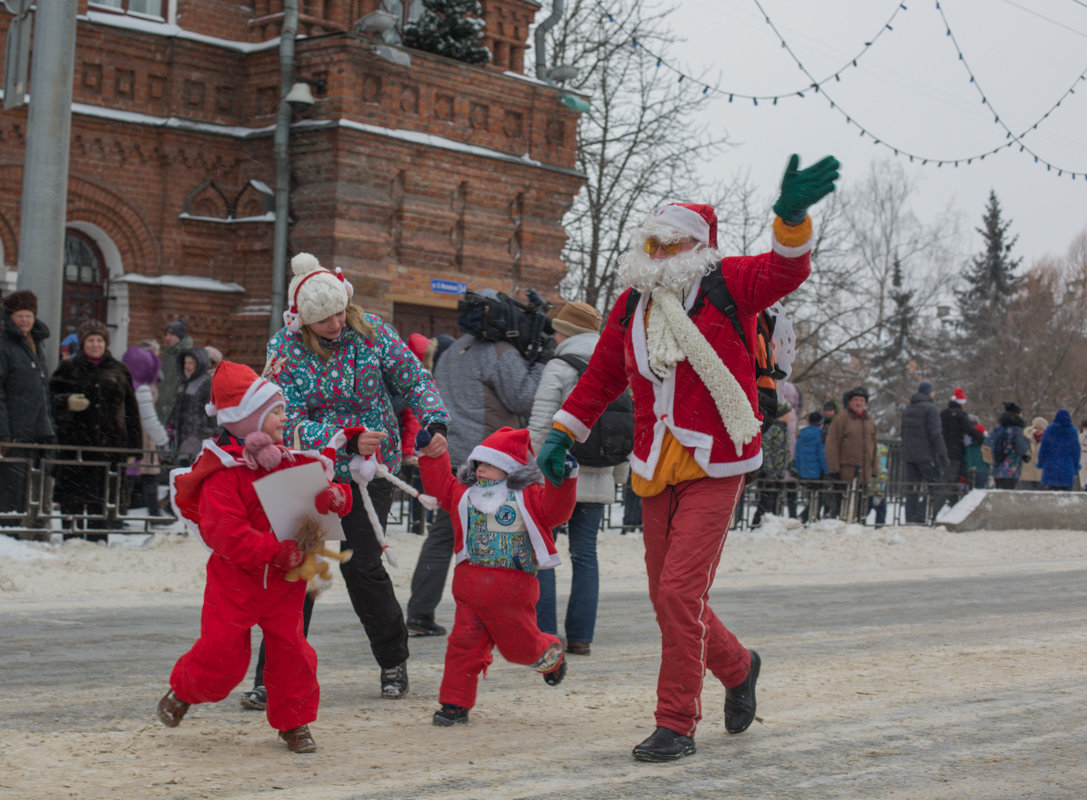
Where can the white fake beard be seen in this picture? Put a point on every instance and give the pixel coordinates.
(488, 499)
(678, 273)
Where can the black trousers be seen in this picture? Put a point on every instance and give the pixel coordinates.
(368, 584)
(917, 475)
(432, 568)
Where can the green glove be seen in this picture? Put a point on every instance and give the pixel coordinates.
(801, 188)
(552, 457)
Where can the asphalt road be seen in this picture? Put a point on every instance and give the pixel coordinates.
(917, 688)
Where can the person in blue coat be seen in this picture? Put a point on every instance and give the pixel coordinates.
(810, 461)
(1059, 453)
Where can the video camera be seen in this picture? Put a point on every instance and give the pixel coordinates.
(496, 317)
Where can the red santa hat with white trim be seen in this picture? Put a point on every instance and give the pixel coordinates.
(241, 399)
(507, 448)
(697, 220)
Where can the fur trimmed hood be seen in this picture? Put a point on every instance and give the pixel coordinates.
(516, 480)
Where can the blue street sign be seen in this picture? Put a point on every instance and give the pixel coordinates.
(448, 287)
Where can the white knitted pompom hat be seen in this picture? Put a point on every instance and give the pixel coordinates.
(315, 293)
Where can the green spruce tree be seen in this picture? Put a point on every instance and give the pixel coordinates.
(451, 28)
(990, 279)
(903, 356)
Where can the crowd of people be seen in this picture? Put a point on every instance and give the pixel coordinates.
(146, 409)
(503, 448)
(943, 451)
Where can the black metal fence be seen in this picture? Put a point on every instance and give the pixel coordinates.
(37, 511)
(34, 500)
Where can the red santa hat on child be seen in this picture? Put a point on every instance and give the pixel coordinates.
(691, 219)
(507, 448)
(241, 399)
(959, 396)
(315, 293)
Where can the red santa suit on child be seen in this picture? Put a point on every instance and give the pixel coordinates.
(246, 583)
(697, 429)
(501, 536)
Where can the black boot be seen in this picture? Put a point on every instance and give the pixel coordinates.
(740, 700)
(664, 745)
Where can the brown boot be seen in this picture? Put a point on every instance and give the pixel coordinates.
(171, 709)
(299, 740)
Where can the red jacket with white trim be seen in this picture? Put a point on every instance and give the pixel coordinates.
(542, 507)
(756, 283)
(216, 499)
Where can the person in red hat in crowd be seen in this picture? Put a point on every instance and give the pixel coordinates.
(696, 433)
(409, 429)
(246, 573)
(958, 432)
(502, 536)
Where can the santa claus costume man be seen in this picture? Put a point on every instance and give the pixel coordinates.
(696, 431)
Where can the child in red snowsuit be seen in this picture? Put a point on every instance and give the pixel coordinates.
(246, 582)
(502, 520)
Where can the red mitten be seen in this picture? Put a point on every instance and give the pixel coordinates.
(336, 498)
(288, 556)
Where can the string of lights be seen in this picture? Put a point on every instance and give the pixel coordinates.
(898, 151)
(1009, 134)
(816, 86)
(771, 98)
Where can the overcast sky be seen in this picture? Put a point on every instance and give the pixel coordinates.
(911, 90)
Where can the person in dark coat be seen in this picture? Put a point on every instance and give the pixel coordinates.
(923, 451)
(1008, 445)
(189, 420)
(1059, 453)
(94, 405)
(957, 431)
(24, 397)
(175, 340)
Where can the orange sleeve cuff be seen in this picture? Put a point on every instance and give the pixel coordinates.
(792, 235)
(560, 427)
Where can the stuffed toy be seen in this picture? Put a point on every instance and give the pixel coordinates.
(310, 539)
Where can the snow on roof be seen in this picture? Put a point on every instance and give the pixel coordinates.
(427, 139)
(193, 282)
(163, 28)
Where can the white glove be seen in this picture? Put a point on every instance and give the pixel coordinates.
(78, 402)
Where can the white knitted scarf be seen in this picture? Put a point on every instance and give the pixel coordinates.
(672, 336)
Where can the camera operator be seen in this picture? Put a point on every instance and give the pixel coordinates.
(485, 385)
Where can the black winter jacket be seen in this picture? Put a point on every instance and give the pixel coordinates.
(24, 385)
(922, 436)
(956, 427)
(113, 417)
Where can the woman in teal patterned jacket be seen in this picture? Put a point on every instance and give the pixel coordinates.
(333, 362)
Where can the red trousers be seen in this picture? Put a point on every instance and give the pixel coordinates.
(235, 601)
(495, 608)
(685, 528)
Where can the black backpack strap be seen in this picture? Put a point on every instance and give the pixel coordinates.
(578, 363)
(716, 291)
(633, 296)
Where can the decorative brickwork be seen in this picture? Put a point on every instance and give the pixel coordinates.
(399, 174)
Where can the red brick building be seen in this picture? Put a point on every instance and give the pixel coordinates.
(401, 173)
